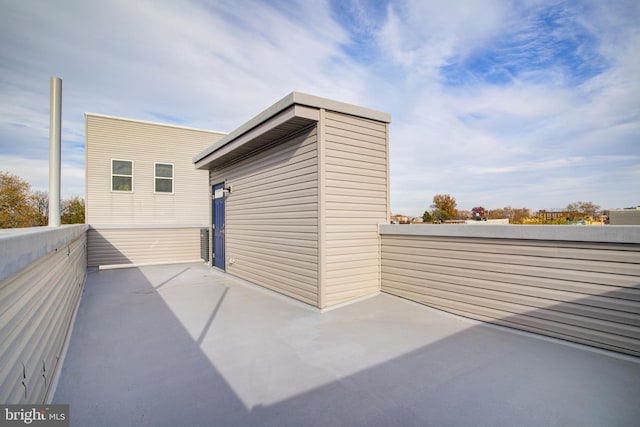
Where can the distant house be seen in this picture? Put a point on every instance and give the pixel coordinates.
(145, 201)
(298, 194)
(554, 214)
(400, 219)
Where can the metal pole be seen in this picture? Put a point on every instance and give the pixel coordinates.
(55, 124)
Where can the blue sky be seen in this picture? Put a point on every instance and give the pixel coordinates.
(524, 103)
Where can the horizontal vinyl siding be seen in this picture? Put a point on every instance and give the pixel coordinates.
(355, 202)
(271, 217)
(145, 143)
(37, 304)
(583, 292)
(115, 246)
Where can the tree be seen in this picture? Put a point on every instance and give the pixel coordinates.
(478, 213)
(463, 214)
(516, 216)
(519, 216)
(584, 210)
(20, 207)
(72, 211)
(443, 209)
(445, 205)
(16, 209)
(439, 215)
(40, 203)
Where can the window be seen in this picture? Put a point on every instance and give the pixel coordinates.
(163, 177)
(122, 175)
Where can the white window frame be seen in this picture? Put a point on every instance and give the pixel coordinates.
(173, 175)
(127, 176)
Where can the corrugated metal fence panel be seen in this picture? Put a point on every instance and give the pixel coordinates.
(583, 292)
(114, 246)
(356, 196)
(37, 304)
(145, 143)
(271, 220)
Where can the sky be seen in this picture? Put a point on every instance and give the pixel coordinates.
(529, 104)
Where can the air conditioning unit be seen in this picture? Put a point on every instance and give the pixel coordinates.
(204, 244)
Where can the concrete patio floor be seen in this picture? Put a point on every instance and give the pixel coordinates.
(181, 345)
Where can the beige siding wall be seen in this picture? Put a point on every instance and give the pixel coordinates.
(37, 304)
(114, 246)
(355, 201)
(579, 291)
(145, 143)
(271, 217)
(183, 211)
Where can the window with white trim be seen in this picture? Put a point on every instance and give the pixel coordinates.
(163, 177)
(122, 175)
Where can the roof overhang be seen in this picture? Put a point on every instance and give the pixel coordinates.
(292, 113)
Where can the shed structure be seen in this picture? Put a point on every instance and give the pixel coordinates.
(298, 193)
(145, 202)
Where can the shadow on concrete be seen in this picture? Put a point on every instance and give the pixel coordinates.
(131, 361)
(474, 378)
(207, 325)
(483, 375)
(155, 348)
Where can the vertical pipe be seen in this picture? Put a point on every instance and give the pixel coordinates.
(55, 123)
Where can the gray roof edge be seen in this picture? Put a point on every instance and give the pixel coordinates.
(572, 233)
(340, 107)
(247, 126)
(294, 98)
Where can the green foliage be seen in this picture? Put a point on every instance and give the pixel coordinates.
(445, 205)
(440, 215)
(40, 203)
(443, 209)
(16, 209)
(122, 187)
(541, 220)
(20, 207)
(515, 215)
(436, 216)
(72, 211)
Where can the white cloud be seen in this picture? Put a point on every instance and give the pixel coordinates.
(36, 172)
(422, 35)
